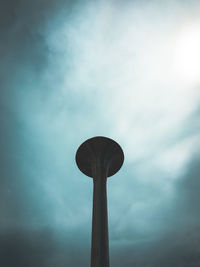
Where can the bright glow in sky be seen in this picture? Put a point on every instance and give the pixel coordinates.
(187, 52)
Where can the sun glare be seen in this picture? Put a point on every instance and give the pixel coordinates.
(187, 53)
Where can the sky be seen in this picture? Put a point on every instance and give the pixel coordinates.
(127, 70)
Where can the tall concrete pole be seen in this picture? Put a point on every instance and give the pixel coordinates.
(99, 157)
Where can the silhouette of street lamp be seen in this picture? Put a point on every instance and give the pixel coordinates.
(99, 157)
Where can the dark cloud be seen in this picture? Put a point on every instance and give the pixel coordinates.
(179, 246)
(18, 50)
(22, 248)
(23, 58)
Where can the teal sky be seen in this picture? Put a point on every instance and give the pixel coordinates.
(71, 70)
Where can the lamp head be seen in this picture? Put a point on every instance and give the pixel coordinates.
(104, 149)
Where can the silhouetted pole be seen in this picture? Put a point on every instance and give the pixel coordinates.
(99, 157)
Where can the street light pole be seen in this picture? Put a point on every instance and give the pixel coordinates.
(99, 157)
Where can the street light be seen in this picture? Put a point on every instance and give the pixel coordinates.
(99, 157)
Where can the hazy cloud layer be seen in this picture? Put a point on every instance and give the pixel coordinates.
(70, 70)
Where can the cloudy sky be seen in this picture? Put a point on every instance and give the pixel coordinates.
(71, 70)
